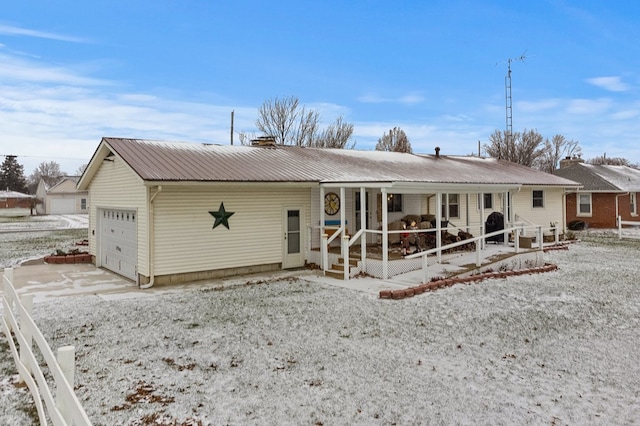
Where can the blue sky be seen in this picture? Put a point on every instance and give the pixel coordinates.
(72, 72)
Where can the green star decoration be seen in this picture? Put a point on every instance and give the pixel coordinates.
(222, 216)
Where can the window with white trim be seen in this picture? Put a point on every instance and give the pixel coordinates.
(633, 205)
(488, 200)
(451, 205)
(584, 204)
(537, 198)
(83, 204)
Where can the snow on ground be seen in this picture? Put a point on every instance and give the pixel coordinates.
(32, 237)
(554, 348)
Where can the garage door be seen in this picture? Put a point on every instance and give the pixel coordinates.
(118, 241)
(63, 206)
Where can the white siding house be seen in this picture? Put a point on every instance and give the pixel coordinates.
(166, 212)
(61, 198)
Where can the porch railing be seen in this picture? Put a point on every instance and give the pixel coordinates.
(479, 243)
(622, 223)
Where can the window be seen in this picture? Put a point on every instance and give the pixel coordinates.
(537, 199)
(83, 204)
(394, 203)
(488, 201)
(633, 205)
(584, 204)
(450, 206)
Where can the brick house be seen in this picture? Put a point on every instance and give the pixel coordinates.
(607, 192)
(13, 204)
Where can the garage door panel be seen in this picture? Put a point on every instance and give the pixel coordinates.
(119, 241)
(63, 206)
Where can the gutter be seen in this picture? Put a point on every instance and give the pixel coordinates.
(151, 239)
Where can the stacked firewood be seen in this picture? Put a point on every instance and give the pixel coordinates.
(429, 239)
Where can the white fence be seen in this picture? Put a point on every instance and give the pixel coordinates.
(622, 223)
(63, 409)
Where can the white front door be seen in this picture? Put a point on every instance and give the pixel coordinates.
(293, 256)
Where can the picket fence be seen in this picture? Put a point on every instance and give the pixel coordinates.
(64, 409)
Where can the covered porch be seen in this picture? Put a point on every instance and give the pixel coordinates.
(344, 245)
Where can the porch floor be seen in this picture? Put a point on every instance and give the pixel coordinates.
(452, 263)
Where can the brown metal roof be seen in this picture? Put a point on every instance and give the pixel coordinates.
(190, 162)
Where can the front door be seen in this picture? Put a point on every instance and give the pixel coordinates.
(293, 256)
(359, 213)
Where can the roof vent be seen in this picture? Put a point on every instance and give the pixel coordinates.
(264, 141)
(437, 152)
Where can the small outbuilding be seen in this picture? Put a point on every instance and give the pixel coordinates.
(168, 212)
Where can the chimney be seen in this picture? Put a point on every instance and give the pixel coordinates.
(570, 161)
(437, 152)
(264, 141)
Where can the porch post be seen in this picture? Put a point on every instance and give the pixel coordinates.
(482, 219)
(364, 214)
(385, 235)
(323, 241)
(439, 225)
(343, 216)
(507, 215)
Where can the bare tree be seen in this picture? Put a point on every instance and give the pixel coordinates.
(554, 151)
(523, 148)
(293, 124)
(287, 121)
(49, 171)
(396, 140)
(80, 170)
(337, 135)
(610, 161)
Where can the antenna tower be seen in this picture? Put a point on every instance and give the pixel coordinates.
(507, 95)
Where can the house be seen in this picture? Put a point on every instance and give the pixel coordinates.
(167, 212)
(61, 198)
(15, 204)
(606, 193)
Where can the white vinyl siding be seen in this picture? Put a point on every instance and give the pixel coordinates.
(544, 216)
(185, 240)
(115, 186)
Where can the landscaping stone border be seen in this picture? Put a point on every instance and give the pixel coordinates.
(448, 282)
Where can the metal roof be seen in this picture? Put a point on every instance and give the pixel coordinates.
(603, 178)
(157, 161)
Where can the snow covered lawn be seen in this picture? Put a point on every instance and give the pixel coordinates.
(554, 348)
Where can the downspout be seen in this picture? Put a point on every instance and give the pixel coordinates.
(617, 209)
(151, 239)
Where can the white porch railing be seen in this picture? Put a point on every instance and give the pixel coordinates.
(65, 408)
(622, 223)
(479, 243)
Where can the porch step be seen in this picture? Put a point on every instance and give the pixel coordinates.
(353, 261)
(337, 269)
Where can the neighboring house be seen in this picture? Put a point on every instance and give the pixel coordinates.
(15, 204)
(606, 193)
(62, 197)
(164, 212)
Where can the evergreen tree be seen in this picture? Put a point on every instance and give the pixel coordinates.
(12, 175)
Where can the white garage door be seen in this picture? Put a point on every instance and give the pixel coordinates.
(63, 206)
(118, 241)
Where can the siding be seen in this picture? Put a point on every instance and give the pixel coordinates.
(185, 241)
(116, 186)
(551, 212)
